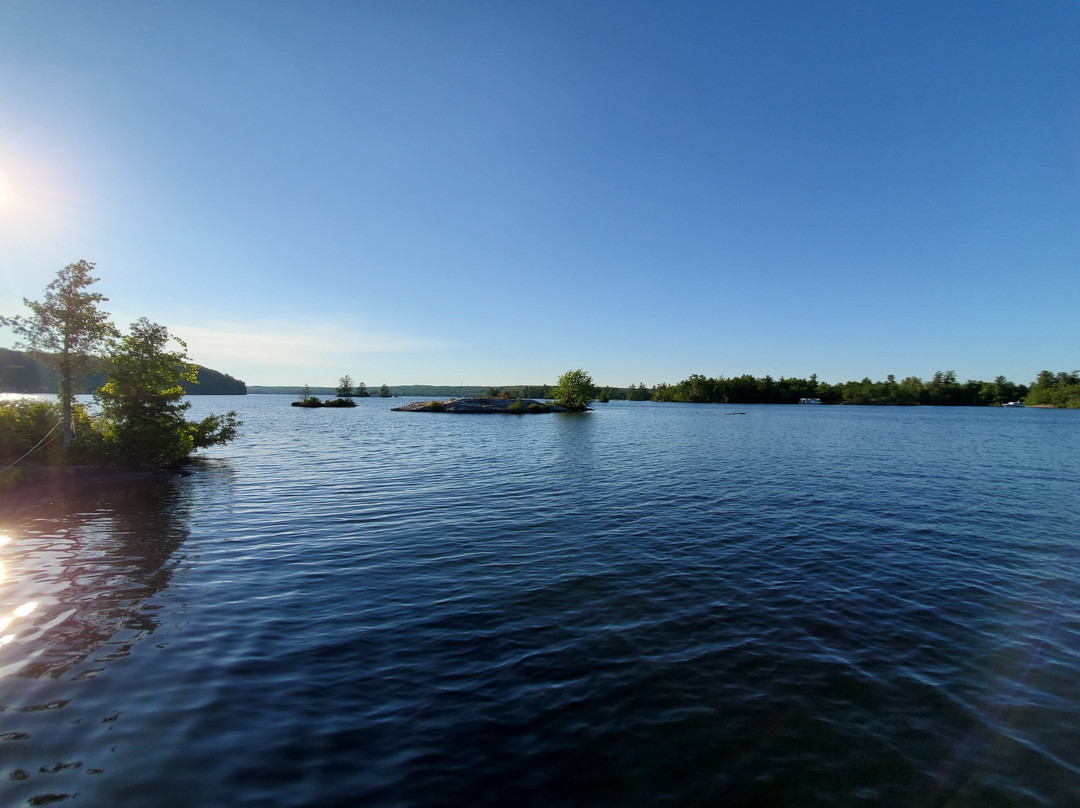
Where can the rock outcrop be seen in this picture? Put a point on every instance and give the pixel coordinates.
(520, 406)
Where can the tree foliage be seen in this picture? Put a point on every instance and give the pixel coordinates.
(345, 387)
(68, 328)
(1060, 390)
(942, 389)
(29, 427)
(142, 407)
(574, 391)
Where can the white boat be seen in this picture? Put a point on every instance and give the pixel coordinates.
(1013, 404)
(809, 400)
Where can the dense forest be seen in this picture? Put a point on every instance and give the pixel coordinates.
(943, 389)
(20, 372)
(1055, 390)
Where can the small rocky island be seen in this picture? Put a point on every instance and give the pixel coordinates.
(315, 401)
(520, 406)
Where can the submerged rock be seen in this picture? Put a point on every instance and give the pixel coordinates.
(520, 406)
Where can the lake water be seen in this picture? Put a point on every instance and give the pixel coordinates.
(646, 605)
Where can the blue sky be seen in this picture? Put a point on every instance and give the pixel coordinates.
(495, 192)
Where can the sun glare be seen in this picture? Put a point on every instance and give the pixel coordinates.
(36, 198)
(7, 196)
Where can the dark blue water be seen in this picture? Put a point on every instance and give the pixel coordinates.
(646, 605)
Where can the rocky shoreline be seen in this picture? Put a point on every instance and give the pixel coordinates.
(503, 406)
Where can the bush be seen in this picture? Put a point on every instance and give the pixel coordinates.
(575, 391)
(33, 426)
(27, 424)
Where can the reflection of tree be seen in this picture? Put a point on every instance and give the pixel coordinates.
(91, 557)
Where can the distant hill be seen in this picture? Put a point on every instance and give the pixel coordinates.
(20, 372)
(429, 390)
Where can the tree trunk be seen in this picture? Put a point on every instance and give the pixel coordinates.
(65, 399)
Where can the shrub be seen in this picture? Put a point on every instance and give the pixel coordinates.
(575, 390)
(34, 426)
(27, 424)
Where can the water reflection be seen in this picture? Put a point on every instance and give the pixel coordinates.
(81, 568)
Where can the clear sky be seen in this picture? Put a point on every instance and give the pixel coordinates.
(495, 192)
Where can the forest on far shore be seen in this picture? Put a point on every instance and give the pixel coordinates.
(20, 372)
(942, 389)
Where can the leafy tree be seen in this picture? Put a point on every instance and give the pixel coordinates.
(68, 328)
(574, 391)
(384, 392)
(361, 391)
(306, 396)
(142, 411)
(345, 387)
(909, 392)
(1062, 390)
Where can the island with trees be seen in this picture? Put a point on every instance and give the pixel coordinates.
(308, 400)
(574, 392)
(139, 419)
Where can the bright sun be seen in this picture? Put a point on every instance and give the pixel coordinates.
(7, 193)
(35, 197)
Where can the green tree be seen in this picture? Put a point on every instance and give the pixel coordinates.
(345, 387)
(361, 391)
(142, 411)
(67, 328)
(1062, 390)
(574, 391)
(384, 392)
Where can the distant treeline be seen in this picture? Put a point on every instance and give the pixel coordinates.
(423, 390)
(942, 389)
(20, 372)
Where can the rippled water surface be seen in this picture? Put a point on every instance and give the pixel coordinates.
(645, 605)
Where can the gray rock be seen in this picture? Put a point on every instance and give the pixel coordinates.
(504, 406)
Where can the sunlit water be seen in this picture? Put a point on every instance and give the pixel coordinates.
(645, 605)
